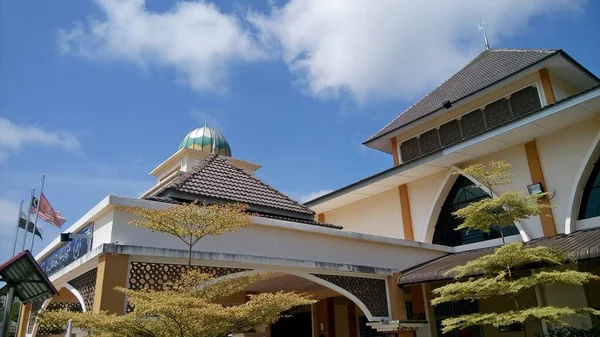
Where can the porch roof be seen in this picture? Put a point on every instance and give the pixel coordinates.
(581, 245)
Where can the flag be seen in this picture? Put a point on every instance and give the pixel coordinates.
(46, 212)
(23, 220)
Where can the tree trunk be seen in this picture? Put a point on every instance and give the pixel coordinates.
(190, 256)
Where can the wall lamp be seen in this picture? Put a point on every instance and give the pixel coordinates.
(536, 188)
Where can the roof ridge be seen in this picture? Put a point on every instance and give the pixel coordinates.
(266, 185)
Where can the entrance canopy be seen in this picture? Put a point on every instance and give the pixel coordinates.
(581, 245)
(24, 274)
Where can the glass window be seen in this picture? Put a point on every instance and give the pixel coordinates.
(463, 193)
(590, 202)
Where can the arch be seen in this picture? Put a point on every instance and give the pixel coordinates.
(442, 195)
(320, 281)
(47, 302)
(583, 174)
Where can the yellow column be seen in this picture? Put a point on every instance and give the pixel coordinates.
(321, 217)
(112, 272)
(537, 176)
(406, 216)
(395, 152)
(547, 86)
(23, 320)
(397, 302)
(323, 318)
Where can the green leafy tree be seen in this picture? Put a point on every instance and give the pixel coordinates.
(193, 221)
(186, 308)
(502, 271)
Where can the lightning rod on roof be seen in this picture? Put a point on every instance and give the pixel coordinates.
(483, 24)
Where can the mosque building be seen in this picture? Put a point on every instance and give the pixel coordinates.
(371, 252)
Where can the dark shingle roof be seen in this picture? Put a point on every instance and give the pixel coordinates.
(262, 215)
(582, 245)
(488, 68)
(215, 177)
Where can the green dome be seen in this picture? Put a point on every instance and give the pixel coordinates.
(207, 140)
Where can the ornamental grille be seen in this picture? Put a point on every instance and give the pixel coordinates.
(86, 286)
(450, 133)
(371, 292)
(153, 276)
(56, 329)
(495, 114)
(429, 141)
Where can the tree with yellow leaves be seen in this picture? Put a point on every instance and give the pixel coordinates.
(502, 271)
(188, 307)
(193, 221)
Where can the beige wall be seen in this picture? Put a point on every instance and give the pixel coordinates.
(562, 154)
(378, 215)
(341, 320)
(422, 194)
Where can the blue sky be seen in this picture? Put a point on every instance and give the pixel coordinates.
(95, 94)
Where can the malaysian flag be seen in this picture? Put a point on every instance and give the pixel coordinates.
(46, 212)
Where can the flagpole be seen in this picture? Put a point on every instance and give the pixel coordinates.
(28, 216)
(37, 213)
(18, 223)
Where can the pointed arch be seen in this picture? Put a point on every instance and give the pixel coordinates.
(442, 195)
(47, 302)
(582, 177)
(324, 283)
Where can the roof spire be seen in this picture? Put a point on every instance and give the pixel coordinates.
(483, 26)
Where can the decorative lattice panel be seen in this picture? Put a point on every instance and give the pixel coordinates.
(429, 141)
(497, 113)
(152, 276)
(472, 123)
(86, 286)
(525, 101)
(371, 292)
(450, 133)
(56, 329)
(410, 150)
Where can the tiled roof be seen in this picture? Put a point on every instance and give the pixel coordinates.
(582, 245)
(214, 177)
(268, 216)
(488, 68)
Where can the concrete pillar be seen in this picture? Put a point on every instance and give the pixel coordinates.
(23, 320)
(397, 302)
(112, 272)
(324, 318)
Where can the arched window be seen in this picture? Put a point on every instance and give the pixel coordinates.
(590, 202)
(463, 193)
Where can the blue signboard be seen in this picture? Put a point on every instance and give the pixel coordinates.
(67, 252)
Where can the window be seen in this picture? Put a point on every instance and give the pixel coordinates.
(590, 202)
(463, 193)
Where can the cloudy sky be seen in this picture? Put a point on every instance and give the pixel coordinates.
(96, 93)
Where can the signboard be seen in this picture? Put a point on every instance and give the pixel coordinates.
(67, 252)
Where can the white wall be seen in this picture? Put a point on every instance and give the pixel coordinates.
(562, 154)
(422, 195)
(103, 229)
(274, 242)
(377, 215)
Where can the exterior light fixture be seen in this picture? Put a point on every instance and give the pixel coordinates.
(536, 188)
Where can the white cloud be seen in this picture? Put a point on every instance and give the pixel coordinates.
(9, 209)
(389, 48)
(312, 195)
(194, 38)
(13, 137)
